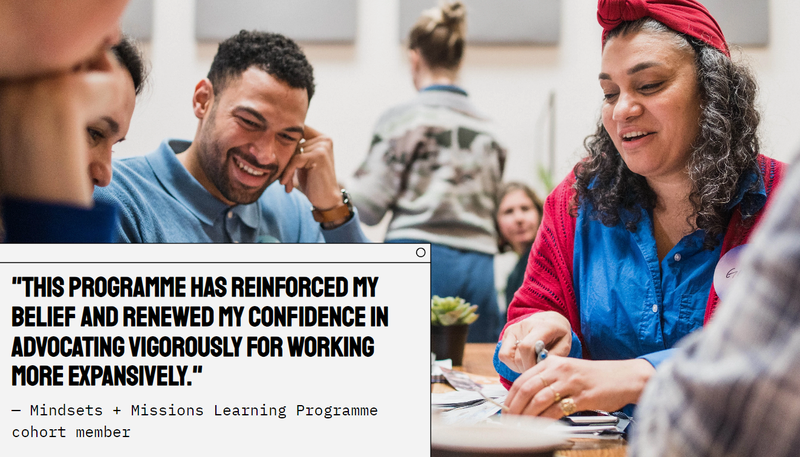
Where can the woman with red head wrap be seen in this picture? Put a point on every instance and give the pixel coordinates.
(624, 262)
(688, 17)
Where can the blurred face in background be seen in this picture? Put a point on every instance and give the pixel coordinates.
(518, 219)
(110, 127)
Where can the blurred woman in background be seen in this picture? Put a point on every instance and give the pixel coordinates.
(518, 217)
(435, 164)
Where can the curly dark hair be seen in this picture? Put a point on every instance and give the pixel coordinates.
(272, 52)
(725, 149)
(129, 55)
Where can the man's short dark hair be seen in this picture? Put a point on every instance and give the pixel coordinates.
(129, 55)
(277, 55)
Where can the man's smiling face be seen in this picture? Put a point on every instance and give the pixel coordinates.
(249, 135)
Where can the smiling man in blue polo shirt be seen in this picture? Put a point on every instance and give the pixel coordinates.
(234, 182)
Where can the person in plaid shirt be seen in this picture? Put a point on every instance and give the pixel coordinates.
(734, 387)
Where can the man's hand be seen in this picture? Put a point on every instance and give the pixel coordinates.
(316, 175)
(43, 146)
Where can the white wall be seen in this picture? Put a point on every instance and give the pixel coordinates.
(355, 84)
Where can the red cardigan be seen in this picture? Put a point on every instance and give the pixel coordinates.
(548, 278)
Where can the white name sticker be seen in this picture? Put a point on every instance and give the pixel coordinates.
(727, 271)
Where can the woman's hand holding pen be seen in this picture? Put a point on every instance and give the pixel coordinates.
(518, 350)
(560, 385)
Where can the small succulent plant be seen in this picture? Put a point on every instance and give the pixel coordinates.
(452, 311)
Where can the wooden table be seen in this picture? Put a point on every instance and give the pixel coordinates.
(478, 360)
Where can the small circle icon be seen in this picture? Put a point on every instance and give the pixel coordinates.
(421, 252)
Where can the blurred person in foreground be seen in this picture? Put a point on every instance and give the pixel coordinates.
(518, 217)
(622, 267)
(733, 389)
(234, 181)
(436, 165)
(55, 78)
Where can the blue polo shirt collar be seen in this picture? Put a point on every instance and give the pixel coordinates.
(182, 186)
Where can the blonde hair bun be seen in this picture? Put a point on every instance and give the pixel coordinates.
(439, 34)
(454, 16)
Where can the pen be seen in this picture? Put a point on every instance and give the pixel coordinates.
(541, 352)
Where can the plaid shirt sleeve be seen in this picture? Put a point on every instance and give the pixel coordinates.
(734, 387)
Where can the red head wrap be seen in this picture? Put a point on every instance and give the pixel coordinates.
(684, 16)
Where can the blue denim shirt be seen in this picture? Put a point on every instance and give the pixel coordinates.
(631, 305)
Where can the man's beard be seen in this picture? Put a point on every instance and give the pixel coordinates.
(215, 163)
